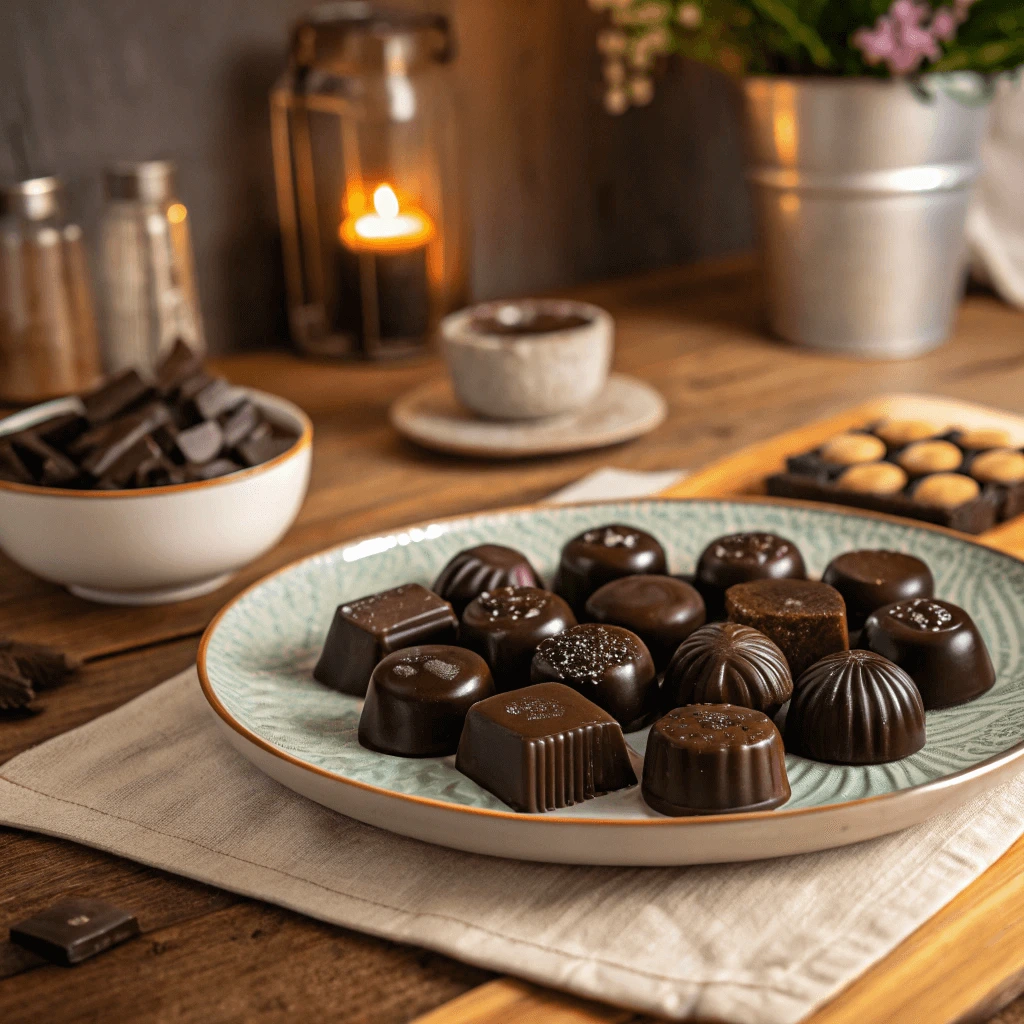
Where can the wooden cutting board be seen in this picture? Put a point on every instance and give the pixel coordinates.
(962, 965)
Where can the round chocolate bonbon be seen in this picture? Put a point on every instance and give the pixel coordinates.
(937, 644)
(662, 610)
(741, 557)
(855, 707)
(726, 663)
(483, 568)
(851, 449)
(418, 698)
(607, 664)
(999, 466)
(714, 759)
(924, 457)
(869, 580)
(505, 626)
(602, 554)
(946, 490)
(873, 478)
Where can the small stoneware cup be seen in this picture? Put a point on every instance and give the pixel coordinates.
(529, 358)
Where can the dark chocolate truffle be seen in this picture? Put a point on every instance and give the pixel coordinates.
(726, 663)
(603, 554)
(714, 759)
(807, 620)
(505, 627)
(486, 567)
(741, 557)
(543, 747)
(607, 664)
(869, 580)
(418, 697)
(662, 610)
(367, 629)
(937, 644)
(855, 707)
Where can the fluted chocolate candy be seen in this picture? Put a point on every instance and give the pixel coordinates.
(543, 747)
(855, 707)
(714, 759)
(603, 554)
(418, 697)
(505, 627)
(726, 663)
(607, 664)
(486, 567)
(662, 610)
(937, 644)
(741, 557)
(869, 580)
(366, 630)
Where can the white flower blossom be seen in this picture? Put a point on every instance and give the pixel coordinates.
(616, 101)
(689, 16)
(641, 90)
(611, 43)
(615, 73)
(652, 13)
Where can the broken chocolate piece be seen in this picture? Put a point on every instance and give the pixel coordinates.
(212, 470)
(255, 451)
(201, 443)
(61, 430)
(70, 932)
(127, 464)
(217, 398)
(240, 424)
(11, 466)
(15, 689)
(125, 437)
(45, 667)
(114, 397)
(177, 366)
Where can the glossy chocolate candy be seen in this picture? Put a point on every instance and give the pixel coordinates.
(366, 630)
(662, 610)
(855, 707)
(486, 567)
(726, 663)
(543, 747)
(505, 626)
(937, 644)
(714, 759)
(418, 697)
(607, 664)
(740, 558)
(869, 580)
(603, 554)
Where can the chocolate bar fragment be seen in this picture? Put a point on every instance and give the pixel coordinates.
(366, 630)
(47, 465)
(217, 398)
(45, 667)
(200, 444)
(70, 932)
(60, 431)
(212, 470)
(15, 687)
(254, 451)
(115, 397)
(238, 425)
(126, 436)
(11, 466)
(543, 747)
(178, 365)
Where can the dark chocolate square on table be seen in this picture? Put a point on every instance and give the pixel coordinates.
(73, 931)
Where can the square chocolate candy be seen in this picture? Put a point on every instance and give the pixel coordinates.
(543, 747)
(71, 932)
(368, 629)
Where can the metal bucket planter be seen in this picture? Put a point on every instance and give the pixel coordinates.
(860, 190)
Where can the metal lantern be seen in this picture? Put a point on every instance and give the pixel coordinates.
(365, 160)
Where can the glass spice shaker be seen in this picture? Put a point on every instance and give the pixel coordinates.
(48, 340)
(149, 288)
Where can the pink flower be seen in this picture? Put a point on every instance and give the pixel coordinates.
(944, 25)
(904, 37)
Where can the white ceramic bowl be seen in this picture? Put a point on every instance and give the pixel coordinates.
(527, 376)
(159, 544)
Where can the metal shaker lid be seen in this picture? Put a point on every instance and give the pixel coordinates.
(34, 198)
(150, 181)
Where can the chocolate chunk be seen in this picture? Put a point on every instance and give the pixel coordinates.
(191, 386)
(714, 759)
(200, 444)
(176, 367)
(68, 933)
(12, 467)
(506, 625)
(121, 472)
(217, 398)
(607, 664)
(114, 397)
(483, 568)
(368, 629)
(61, 430)
(240, 424)
(48, 466)
(212, 470)
(254, 451)
(45, 667)
(158, 471)
(869, 580)
(418, 697)
(15, 688)
(543, 747)
(126, 434)
(855, 707)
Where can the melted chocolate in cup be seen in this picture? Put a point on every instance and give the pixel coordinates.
(603, 554)
(607, 664)
(937, 644)
(662, 610)
(418, 698)
(505, 627)
(855, 707)
(714, 759)
(486, 567)
(726, 663)
(529, 323)
(740, 558)
(869, 580)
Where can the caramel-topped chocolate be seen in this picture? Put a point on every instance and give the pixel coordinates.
(741, 557)
(483, 568)
(869, 580)
(506, 625)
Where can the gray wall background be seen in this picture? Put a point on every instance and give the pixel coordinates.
(558, 192)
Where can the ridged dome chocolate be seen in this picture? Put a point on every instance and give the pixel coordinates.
(726, 663)
(474, 571)
(855, 707)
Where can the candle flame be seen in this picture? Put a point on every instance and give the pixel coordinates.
(385, 202)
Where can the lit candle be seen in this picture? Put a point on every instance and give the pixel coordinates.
(387, 229)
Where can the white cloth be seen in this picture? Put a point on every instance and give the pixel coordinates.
(762, 943)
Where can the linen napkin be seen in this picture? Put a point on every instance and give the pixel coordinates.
(762, 943)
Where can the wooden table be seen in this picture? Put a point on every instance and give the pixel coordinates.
(209, 956)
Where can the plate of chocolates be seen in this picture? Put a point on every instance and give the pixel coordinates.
(650, 682)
